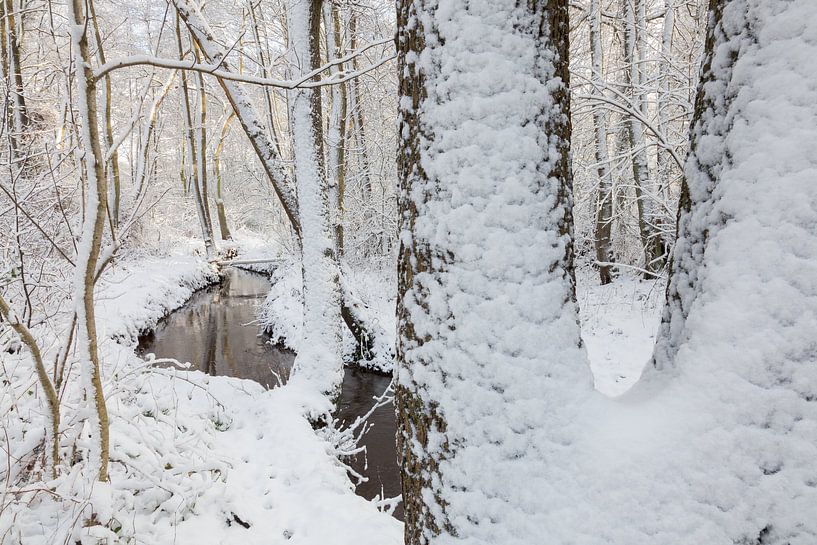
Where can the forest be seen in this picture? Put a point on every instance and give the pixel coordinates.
(420, 272)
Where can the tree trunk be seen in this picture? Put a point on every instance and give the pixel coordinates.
(15, 69)
(205, 198)
(336, 136)
(372, 242)
(665, 168)
(222, 214)
(319, 356)
(486, 242)
(112, 169)
(141, 176)
(195, 168)
(604, 193)
(642, 182)
(741, 297)
(92, 231)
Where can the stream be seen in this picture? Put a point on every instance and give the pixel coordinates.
(217, 332)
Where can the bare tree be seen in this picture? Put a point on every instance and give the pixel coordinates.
(224, 229)
(604, 193)
(198, 167)
(251, 122)
(92, 233)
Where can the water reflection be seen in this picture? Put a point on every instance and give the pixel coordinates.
(216, 332)
(383, 472)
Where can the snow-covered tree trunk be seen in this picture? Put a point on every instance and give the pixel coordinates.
(604, 192)
(91, 239)
(489, 353)
(319, 356)
(741, 311)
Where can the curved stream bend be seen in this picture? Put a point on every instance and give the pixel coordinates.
(216, 331)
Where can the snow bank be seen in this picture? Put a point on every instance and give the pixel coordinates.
(135, 295)
(194, 459)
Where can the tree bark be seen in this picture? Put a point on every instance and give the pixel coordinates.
(604, 193)
(473, 249)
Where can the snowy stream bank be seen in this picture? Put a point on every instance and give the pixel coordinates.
(194, 458)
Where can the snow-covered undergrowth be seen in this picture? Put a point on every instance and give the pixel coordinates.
(374, 291)
(194, 459)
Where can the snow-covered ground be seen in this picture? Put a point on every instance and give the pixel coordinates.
(619, 324)
(217, 460)
(194, 459)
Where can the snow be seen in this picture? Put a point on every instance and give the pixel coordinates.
(619, 323)
(191, 455)
(137, 293)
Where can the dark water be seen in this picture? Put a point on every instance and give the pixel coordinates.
(356, 399)
(216, 332)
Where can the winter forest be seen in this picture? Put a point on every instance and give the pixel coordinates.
(421, 272)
